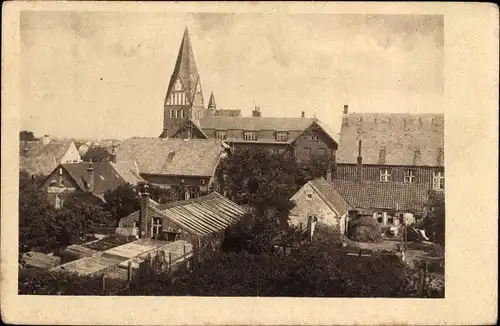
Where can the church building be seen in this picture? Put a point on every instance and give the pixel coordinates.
(185, 116)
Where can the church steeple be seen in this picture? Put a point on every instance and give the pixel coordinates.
(211, 102)
(184, 97)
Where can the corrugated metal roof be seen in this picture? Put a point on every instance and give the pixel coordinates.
(199, 216)
(203, 215)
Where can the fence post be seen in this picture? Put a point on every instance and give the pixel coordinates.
(170, 260)
(103, 282)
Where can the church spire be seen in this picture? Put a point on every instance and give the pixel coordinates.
(185, 67)
(211, 102)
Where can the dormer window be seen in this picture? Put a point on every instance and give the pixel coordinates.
(314, 138)
(281, 136)
(221, 134)
(250, 135)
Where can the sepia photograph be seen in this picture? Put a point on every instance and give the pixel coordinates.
(232, 154)
(271, 187)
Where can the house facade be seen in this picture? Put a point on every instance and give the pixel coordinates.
(186, 166)
(187, 220)
(406, 148)
(319, 199)
(185, 116)
(94, 178)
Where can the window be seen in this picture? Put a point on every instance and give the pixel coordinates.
(194, 192)
(172, 113)
(281, 136)
(275, 151)
(221, 134)
(438, 180)
(178, 85)
(409, 176)
(156, 226)
(250, 135)
(322, 151)
(182, 113)
(314, 138)
(385, 175)
(390, 219)
(309, 195)
(307, 152)
(380, 217)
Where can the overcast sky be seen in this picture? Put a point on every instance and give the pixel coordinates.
(104, 75)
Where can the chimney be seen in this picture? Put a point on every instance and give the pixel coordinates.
(416, 156)
(381, 155)
(303, 114)
(346, 108)
(256, 112)
(329, 175)
(46, 139)
(144, 231)
(360, 164)
(113, 153)
(60, 179)
(90, 181)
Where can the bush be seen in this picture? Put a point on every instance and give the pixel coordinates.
(365, 229)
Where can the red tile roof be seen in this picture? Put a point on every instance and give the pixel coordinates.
(327, 191)
(373, 195)
(106, 177)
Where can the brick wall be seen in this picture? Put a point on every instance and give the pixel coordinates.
(372, 172)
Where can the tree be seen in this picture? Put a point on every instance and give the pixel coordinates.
(97, 154)
(260, 179)
(26, 135)
(434, 219)
(124, 200)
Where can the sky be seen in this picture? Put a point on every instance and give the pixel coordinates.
(105, 74)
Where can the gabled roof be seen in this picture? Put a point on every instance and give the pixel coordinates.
(294, 126)
(106, 177)
(199, 216)
(255, 123)
(185, 67)
(192, 157)
(400, 134)
(409, 197)
(41, 159)
(331, 197)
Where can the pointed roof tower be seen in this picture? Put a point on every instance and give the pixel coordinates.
(211, 102)
(185, 67)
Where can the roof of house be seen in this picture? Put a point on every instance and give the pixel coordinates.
(106, 177)
(41, 159)
(328, 193)
(400, 134)
(227, 113)
(409, 197)
(295, 126)
(199, 216)
(192, 157)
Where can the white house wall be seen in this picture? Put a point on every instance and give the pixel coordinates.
(313, 206)
(72, 155)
